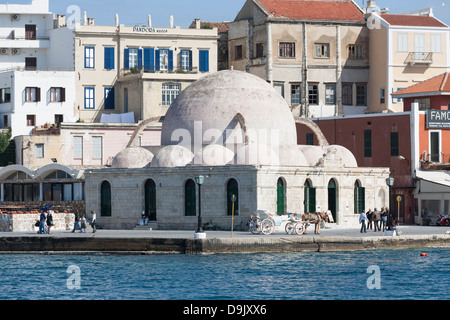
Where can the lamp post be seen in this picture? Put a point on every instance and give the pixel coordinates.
(390, 183)
(199, 234)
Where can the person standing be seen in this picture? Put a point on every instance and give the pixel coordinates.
(77, 222)
(376, 220)
(383, 218)
(49, 221)
(94, 221)
(42, 220)
(83, 223)
(362, 221)
(369, 216)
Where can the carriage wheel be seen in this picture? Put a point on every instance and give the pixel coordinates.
(267, 226)
(290, 228)
(255, 226)
(299, 228)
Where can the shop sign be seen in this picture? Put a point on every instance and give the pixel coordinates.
(438, 119)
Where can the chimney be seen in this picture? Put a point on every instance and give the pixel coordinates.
(149, 21)
(197, 23)
(60, 20)
(117, 19)
(85, 18)
(91, 21)
(371, 6)
(171, 21)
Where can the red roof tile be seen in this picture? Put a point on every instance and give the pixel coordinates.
(412, 20)
(440, 83)
(313, 10)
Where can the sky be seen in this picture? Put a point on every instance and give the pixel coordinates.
(134, 12)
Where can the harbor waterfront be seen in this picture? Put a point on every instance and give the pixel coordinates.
(220, 242)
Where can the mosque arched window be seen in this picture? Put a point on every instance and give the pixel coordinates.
(359, 198)
(190, 208)
(309, 197)
(105, 199)
(280, 196)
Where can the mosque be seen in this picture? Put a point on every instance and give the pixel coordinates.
(236, 132)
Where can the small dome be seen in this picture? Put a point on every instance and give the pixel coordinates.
(346, 156)
(256, 154)
(213, 155)
(172, 156)
(133, 157)
(292, 156)
(312, 154)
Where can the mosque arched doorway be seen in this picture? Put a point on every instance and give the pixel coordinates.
(150, 200)
(333, 198)
(281, 193)
(105, 199)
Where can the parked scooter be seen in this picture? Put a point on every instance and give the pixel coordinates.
(443, 220)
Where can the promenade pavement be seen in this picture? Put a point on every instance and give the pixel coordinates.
(407, 230)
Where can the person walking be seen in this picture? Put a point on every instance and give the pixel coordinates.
(77, 222)
(94, 221)
(376, 220)
(362, 221)
(49, 221)
(42, 220)
(83, 223)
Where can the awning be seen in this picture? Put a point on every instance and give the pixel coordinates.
(118, 118)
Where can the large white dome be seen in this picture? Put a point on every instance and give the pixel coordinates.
(133, 157)
(208, 108)
(172, 156)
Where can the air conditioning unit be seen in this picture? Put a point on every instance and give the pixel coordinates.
(15, 17)
(15, 51)
(4, 52)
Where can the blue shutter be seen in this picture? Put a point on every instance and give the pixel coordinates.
(170, 60)
(204, 61)
(140, 59)
(157, 62)
(149, 59)
(127, 59)
(109, 58)
(190, 60)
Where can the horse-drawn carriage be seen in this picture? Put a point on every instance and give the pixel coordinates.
(266, 223)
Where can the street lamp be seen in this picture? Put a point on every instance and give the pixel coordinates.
(390, 183)
(199, 234)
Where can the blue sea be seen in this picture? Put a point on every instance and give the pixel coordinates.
(368, 275)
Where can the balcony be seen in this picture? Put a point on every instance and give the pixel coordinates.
(419, 58)
(26, 42)
(439, 161)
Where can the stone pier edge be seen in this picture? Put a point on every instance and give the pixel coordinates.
(90, 245)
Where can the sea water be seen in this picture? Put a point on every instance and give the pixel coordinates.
(367, 275)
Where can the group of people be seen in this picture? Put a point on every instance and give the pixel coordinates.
(45, 221)
(379, 220)
(81, 222)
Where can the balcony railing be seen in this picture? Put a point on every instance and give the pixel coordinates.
(419, 58)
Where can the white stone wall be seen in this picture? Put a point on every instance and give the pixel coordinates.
(26, 222)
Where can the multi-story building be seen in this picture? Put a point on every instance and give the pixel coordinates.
(32, 91)
(315, 53)
(405, 49)
(135, 69)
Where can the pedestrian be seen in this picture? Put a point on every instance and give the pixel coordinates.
(376, 220)
(77, 222)
(49, 221)
(42, 219)
(83, 223)
(383, 218)
(362, 221)
(94, 221)
(369, 215)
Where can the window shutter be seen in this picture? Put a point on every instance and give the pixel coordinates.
(204, 61)
(190, 60)
(140, 59)
(127, 59)
(63, 94)
(109, 58)
(149, 59)
(170, 60)
(157, 62)
(38, 94)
